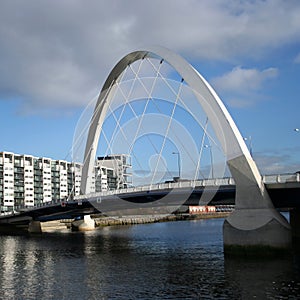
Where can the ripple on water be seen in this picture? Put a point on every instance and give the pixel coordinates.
(174, 260)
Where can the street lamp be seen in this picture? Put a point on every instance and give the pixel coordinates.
(297, 129)
(211, 160)
(178, 162)
(250, 143)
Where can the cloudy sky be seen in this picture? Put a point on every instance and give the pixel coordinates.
(55, 56)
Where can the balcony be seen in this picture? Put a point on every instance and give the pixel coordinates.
(38, 184)
(19, 195)
(19, 170)
(19, 182)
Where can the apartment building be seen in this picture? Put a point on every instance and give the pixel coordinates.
(27, 181)
(120, 168)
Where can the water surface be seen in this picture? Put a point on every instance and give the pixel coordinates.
(173, 260)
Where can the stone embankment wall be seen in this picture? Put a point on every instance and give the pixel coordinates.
(65, 225)
(131, 220)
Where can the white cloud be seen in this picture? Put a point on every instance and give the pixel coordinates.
(244, 80)
(54, 53)
(243, 84)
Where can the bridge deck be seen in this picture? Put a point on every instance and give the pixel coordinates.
(284, 191)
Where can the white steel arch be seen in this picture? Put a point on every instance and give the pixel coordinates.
(239, 160)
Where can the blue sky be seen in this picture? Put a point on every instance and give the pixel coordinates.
(55, 56)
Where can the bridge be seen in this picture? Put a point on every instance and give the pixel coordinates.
(184, 115)
(284, 190)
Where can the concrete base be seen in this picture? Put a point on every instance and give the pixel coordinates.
(34, 227)
(256, 232)
(86, 224)
(54, 226)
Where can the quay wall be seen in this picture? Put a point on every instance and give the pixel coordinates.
(132, 220)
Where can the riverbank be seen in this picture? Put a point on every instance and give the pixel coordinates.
(102, 221)
(144, 219)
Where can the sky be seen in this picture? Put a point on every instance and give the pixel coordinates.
(56, 55)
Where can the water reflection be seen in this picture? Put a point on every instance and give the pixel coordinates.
(164, 260)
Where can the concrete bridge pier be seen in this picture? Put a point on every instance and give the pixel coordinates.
(85, 224)
(255, 227)
(34, 227)
(261, 231)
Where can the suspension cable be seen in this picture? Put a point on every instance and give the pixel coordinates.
(167, 131)
(200, 154)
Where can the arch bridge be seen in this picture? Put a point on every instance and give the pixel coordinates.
(255, 222)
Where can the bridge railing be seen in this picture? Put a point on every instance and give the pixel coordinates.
(212, 182)
(19, 208)
(189, 184)
(281, 178)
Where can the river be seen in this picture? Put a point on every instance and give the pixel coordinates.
(172, 260)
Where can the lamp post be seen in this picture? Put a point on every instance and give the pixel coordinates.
(250, 143)
(211, 160)
(178, 162)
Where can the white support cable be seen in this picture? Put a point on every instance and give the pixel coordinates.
(118, 122)
(121, 115)
(154, 147)
(116, 119)
(211, 139)
(167, 131)
(135, 76)
(85, 129)
(136, 116)
(174, 132)
(118, 125)
(149, 97)
(110, 148)
(128, 103)
(183, 103)
(72, 190)
(149, 139)
(201, 150)
(123, 94)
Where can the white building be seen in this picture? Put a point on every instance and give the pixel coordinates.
(27, 181)
(7, 179)
(120, 166)
(26, 162)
